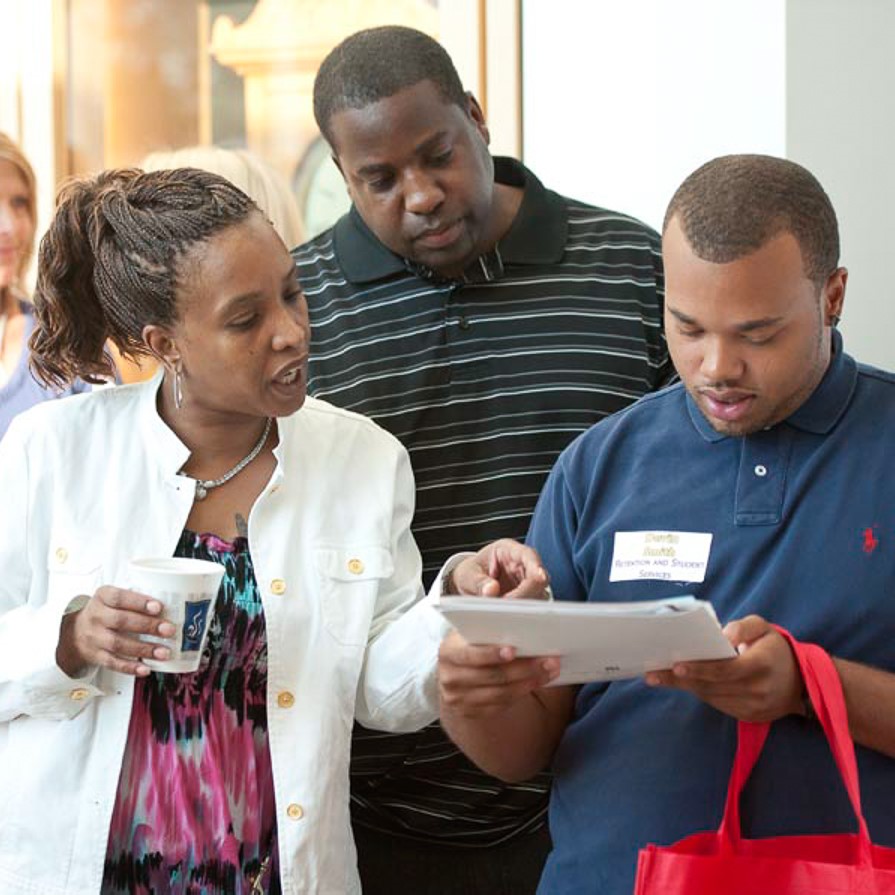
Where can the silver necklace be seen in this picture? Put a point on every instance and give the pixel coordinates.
(203, 486)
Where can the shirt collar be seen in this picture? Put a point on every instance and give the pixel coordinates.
(822, 410)
(537, 236)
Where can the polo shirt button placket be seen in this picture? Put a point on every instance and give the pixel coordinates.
(761, 478)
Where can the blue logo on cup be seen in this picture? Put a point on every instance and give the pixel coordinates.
(194, 625)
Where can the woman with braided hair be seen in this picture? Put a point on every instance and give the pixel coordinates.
(116, 778)
(18, 219)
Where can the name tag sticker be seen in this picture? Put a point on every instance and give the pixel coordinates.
(661, 555)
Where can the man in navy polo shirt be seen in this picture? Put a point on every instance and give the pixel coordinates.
(768, 468)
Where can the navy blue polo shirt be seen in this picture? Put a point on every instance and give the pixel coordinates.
(802, 518)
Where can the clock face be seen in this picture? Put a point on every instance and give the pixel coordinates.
(319, 189)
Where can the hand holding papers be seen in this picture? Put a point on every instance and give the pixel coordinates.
(596, 641)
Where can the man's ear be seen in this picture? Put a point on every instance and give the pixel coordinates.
(474, 110)
(345, 180)
(834, 296)
(338, 164)
(160, 342)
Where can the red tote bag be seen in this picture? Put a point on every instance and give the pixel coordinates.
(723, 863)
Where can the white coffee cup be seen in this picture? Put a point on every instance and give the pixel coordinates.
(187, 589)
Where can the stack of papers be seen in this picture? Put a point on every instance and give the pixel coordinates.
(595, 641)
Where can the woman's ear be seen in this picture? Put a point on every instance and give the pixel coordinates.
(160, 342)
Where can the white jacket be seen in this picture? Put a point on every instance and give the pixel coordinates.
(89, 482)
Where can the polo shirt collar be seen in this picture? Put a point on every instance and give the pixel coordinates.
(541, 226)
(825, 405)
(537, 236)
(362, 257)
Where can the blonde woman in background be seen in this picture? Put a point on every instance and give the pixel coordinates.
(258, 180)
(19, 390)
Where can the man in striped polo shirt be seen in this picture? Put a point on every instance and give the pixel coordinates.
(485, 321)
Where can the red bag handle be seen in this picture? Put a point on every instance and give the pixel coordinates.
(825, 692)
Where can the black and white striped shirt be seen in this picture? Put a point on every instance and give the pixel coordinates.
(485, 380)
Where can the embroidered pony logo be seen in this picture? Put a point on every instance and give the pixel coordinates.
(871, 542)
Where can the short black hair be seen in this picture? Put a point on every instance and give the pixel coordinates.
(732, 206)
(376, 63)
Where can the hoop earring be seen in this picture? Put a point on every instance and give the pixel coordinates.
(177, 386)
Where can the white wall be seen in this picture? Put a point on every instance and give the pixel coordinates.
(26, 65)
(621, 100)
(841, 125)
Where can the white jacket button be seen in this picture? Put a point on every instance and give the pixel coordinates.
(285, 700)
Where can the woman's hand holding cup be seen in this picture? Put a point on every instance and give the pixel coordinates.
(106, 632)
